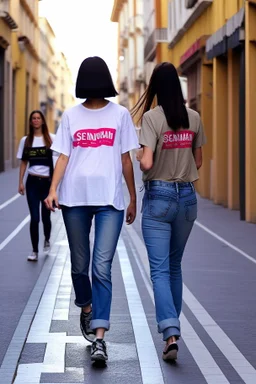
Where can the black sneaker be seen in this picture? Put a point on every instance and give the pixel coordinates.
(99, 351)
(85, 320)
(171, 352)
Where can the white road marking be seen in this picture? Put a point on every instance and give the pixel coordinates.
(15, 232)
(225, 242)
(149, 363)
(11, 358)
(7, 202)
(245, 370)
(61, 310)
(242, 366)
(200, 353)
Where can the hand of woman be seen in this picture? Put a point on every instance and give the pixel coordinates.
(131, 213)
(139, 154)
(21, 189)
(51, 201)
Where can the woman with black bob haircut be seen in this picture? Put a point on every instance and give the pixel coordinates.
(94, 80)
(171, 137)
(94, 139)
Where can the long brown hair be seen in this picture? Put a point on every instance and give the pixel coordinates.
(45, 131)
(165, 85)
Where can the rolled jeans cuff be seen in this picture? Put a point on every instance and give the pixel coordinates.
(83, 305)
(100, 323)
(169, 327)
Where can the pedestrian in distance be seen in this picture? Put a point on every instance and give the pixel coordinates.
(34, 151)
(171, 138)
(94, 139)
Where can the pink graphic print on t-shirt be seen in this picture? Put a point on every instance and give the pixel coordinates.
(94, 137)
(183, 139)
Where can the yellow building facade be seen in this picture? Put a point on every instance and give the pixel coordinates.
(48, 73)
(33, 75)
(55, 79)
(64, 87)
(8, 24)
(129, 15)
(212, 43)
(142, 43)
(25, 61)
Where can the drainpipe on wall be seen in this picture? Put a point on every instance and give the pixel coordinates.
(242, 178)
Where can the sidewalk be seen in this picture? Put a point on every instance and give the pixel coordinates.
(55, 350)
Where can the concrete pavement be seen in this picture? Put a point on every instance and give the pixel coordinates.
(39, 323)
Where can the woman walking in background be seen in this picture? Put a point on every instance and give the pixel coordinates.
(94, 140)
(34, 151)
(171, 137)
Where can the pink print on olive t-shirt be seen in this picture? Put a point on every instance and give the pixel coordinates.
(94, 137)
(182, 139)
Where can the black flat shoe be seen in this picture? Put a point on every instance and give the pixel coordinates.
(171, 353)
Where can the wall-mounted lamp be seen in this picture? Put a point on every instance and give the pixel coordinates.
(121, 58)
(22, 45)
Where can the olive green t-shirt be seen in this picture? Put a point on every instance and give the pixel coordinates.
(173, 150)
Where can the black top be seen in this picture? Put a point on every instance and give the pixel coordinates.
(38, 156)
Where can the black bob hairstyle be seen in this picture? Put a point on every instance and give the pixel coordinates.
(165, 85)
(94, 80)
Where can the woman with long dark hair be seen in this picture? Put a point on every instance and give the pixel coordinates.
(171, 137)
(34, 151)
(94, 140)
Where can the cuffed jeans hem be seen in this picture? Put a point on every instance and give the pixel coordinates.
(171, 331)
(82, 305)
(100, 323)
(169, 327)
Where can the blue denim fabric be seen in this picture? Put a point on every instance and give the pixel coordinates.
(168, 214)
(108, 224)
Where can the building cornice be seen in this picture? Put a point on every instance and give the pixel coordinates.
(26, 43)
(8, 20)
(117, 7)
(29, 12)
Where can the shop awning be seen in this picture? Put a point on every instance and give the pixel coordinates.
(235, 30)
(228, 36)
(216, 45)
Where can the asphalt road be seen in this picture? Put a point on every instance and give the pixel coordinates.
(40, 339)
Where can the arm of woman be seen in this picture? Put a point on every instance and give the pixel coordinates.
(198, 156)
(23, 167)
(146, 160)
(58, 173)
(129, 179)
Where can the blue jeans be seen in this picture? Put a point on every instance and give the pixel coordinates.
(108, 224)
(168, 213)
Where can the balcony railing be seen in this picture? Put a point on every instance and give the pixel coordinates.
(150, 47)
(161, 35)
(182, 15)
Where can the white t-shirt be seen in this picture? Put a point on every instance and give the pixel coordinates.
(40, 170)
(94, 140)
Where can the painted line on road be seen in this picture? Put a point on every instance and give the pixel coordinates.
(202, 357)
(149, 363)
(15, 197)
(242, 366)
(11, 358)
(15, 232)
(225, 242)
